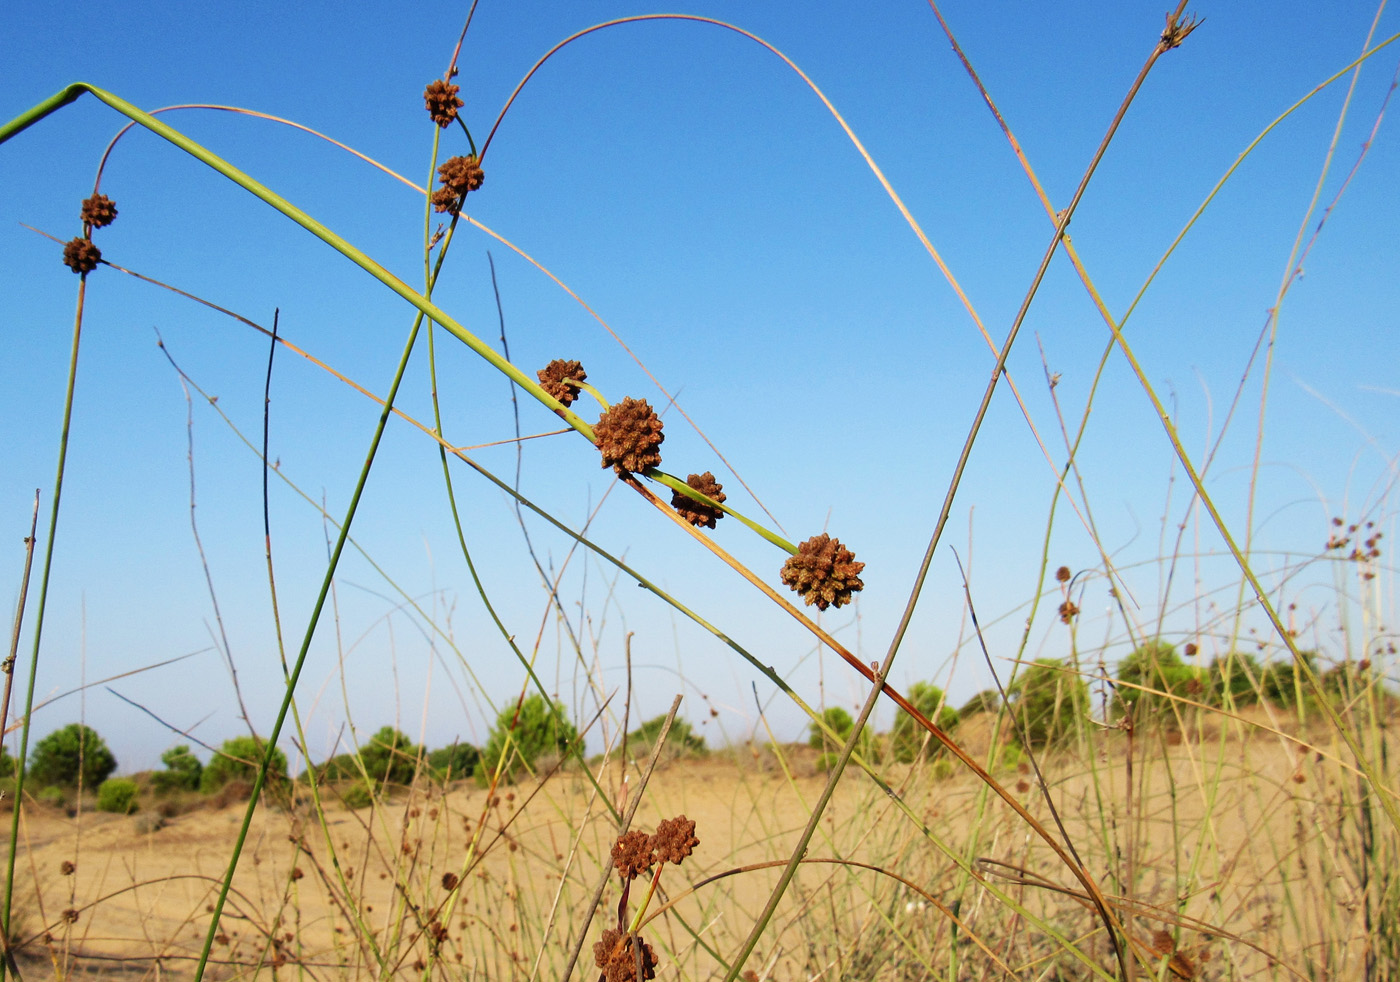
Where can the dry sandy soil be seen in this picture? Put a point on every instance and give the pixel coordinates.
(1245, 834)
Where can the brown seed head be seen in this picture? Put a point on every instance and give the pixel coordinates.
(824, 572)
(70, 915)
(1068, 611)
(632, 854)
(614, 955)
(81, 256)
(66, 867)
(459, 175)
(441, 100)
(99, 211)
(1062, 574)
(699, 513)
(552, 379)
(674, 839)
(629, 435)
(449, 881)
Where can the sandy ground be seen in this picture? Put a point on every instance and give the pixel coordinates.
(138, 900)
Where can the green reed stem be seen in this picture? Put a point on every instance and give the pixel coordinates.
(315, 618)
(39, 617)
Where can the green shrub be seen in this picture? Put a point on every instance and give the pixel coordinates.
(986, 701)
(454, 762)
(1051, 702)
(1156, 665)
(390, 757)
(842, 723)
(1234, 680)
(681, 741)
(907, 737)
(341, 767)
(118, 795)
(1284, 684)
(52, 796)
(60, 756)
(182, 771)
(239, 759)
(520, 738)
(357, 795)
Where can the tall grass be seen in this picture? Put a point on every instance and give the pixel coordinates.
(1185, 825)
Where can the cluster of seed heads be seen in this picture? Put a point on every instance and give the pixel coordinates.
(622, 956)
(629, 435)
(1366, 551)
(79, 254)
(459, 175)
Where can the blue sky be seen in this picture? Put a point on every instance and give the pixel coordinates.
(694, 192)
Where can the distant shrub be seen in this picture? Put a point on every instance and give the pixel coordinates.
(357, 795)
(52, 796)
(907, 737)
(842, 723)
(681, 741)
(1234, 680)
(63, 754)
(454, 762)
(390, 757)
(986, 701)
(1051, 702)
(117, 795)
(182, 771)
(1285, 685)
(239, 759)
(520, 738)
(341, 767)
(1156, 666)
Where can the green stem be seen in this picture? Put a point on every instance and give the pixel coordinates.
(271, 749)
(355, 255)
(39, 614)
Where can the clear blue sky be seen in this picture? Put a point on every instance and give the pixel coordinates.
(695, 193)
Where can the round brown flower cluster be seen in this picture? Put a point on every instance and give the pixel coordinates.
(441, 100)
(698, 512)
(459, 175)
(99, 211)
(81, 256)
(674, 839)
(618, 960)
(824, 572)
(633, 854)
(629, 435)
(1069, 610)
(553, 379)
(1062, 574)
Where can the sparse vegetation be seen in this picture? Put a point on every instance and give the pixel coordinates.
(1125, 811)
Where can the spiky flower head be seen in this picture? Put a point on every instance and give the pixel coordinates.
(459, 175)
(552, 379)
(674, 839)
(99, 211)
(615, 956)
(698, 512)
(441, 100)
(632, 854)
(824, 572)
(81, 256)
(629, 435)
